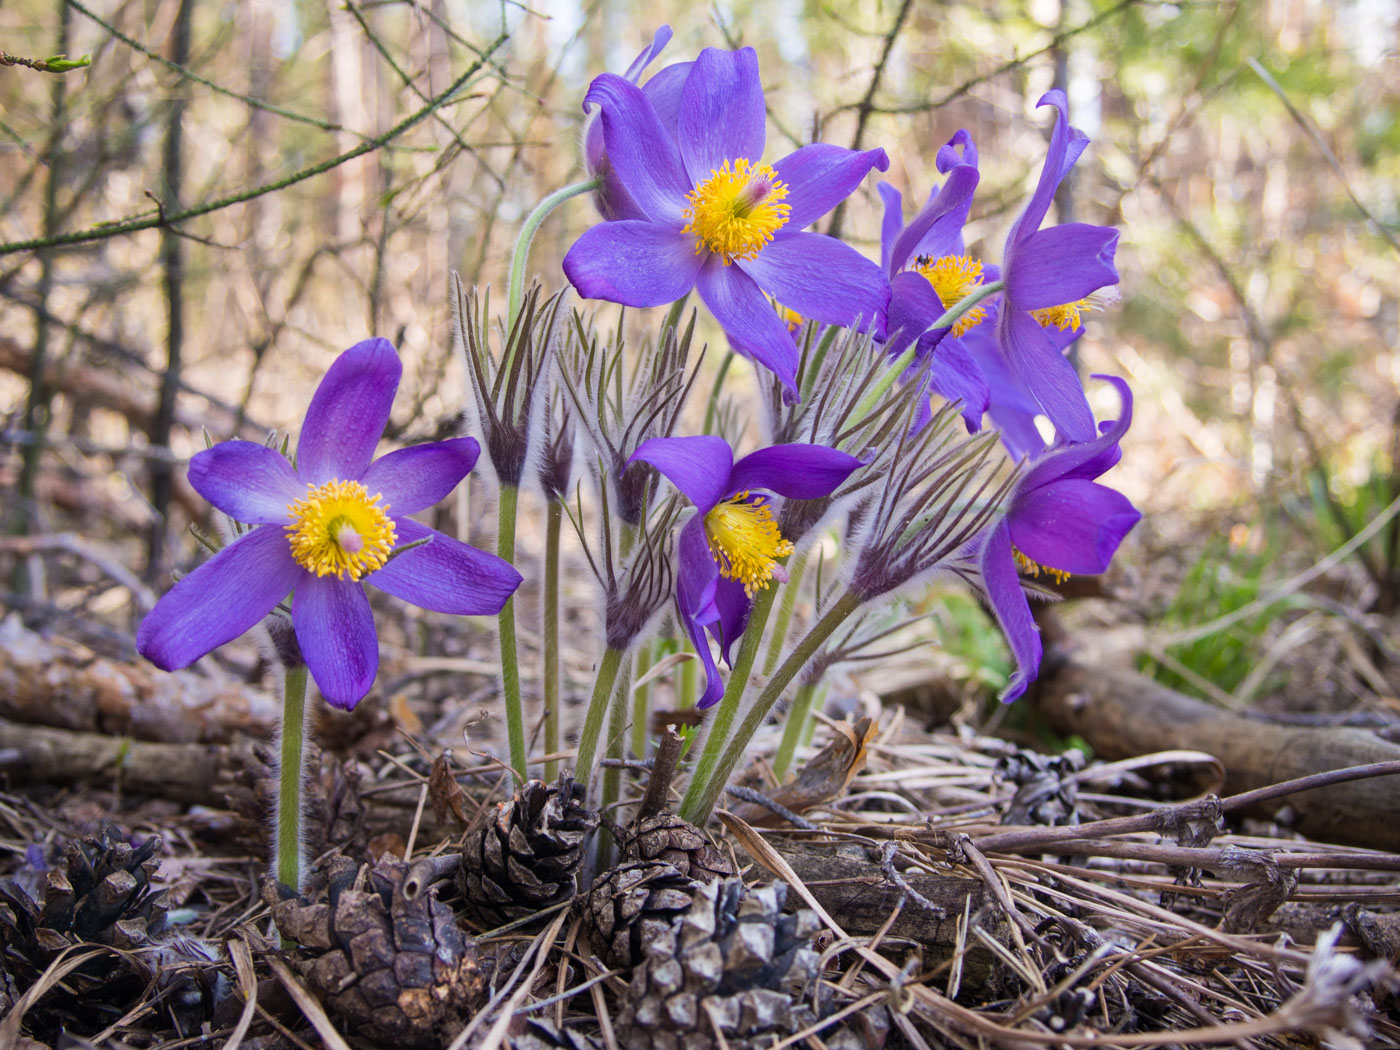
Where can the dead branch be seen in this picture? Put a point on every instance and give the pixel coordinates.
(1122, 714)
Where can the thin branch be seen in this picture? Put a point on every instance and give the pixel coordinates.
(189, 74)
(117, 229)
(867, 104)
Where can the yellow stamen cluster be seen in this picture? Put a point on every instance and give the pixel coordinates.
(1064, 316)
(736, 211)
(745, 541)
(338, 529)
(1034, 568)
(953, 278)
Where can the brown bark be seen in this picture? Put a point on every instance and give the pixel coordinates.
(56, 682)
(1123, 714)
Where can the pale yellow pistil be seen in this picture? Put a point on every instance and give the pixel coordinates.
(339, 529)
(1034, 568)
(953, 278)
(745, 541)
(736, 211)
(1064, 316)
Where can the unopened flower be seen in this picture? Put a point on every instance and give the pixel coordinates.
(1050, 275)
(718, 220)
(1058, 520)
(509, 387)
(324, 528)
(731, 548)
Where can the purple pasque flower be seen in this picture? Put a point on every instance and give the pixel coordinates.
(730, 549)
(930, 272)
(1049, 277)
(322, 529)
(717, 220)
(1056, 519)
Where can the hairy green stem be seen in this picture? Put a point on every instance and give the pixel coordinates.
(520, 256)
(673, 315)
(552, 693)
(597, 709)
(617, 747)
(797, 717)
(778, 635)
(728, 706)
(641, 699)
(687, 688)
(712, 405)
(289, 777)
(707, 794)
(510, 655)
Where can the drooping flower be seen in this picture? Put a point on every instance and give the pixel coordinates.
(730, 549)
(1057, 519)
(324, 528)
(930, 273)
(1050, 275)
(718, 220)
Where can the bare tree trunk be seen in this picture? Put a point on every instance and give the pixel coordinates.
(29, 574)
(173, 264)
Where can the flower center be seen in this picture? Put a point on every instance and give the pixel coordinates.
(736, 211)
(339, 529)
(1066, 315)
(953, 278)
(745, 541)
(1034, 568)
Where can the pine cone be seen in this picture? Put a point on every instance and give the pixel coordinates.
(99, 893)
(631, 905)
(335, 813)
(526, 856)
(723, 973)
(383, 951)
(675, 841)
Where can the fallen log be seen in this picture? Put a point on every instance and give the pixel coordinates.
(57, 682)
(1122, 714)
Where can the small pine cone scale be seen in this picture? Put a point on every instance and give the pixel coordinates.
(679, 843)
(730, 971)
(632, 904)
(527, 856)
(383, 951)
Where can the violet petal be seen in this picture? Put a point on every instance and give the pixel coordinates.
(748, 318)
(412, 479)
(639, 149)
(1062, 264)
(247, 481)
(698, 466)
(446, 575)
(222, 599)
(1073, 525)
(796, 471)
(721, 112)
(821, 278)
(1012, 611)
(821, 176)
(335, 630)
(348, 413)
